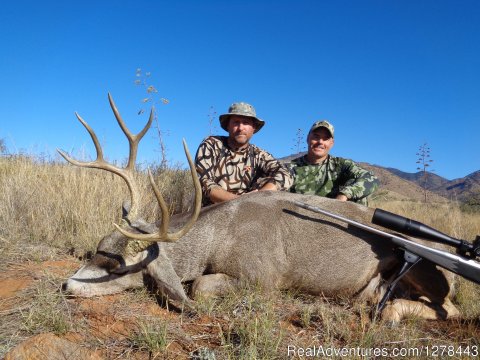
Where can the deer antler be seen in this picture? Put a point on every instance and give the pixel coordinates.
(126, 173)
(162, 234)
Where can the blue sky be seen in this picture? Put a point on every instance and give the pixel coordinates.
(389, 75)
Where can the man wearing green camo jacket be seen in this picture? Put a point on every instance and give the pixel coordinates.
(321, 174)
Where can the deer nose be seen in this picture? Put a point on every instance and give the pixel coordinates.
(64, 287)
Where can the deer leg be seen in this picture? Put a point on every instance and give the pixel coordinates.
(401, 308)
(452, 311)
(212, 285)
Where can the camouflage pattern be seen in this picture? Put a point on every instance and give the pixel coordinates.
(332, 177)
(238, 171)
(241, 109)
(323, 123)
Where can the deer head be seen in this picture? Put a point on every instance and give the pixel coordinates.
(122, 253)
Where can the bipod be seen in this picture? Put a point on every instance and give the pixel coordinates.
(410, 260)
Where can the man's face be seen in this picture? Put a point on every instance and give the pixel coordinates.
(240, 130)
(319, 142)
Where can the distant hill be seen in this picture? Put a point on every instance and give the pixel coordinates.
(463, 189)
(433, 180)
(398, 184)
(399, 187)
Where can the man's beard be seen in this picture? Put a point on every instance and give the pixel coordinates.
(238, 140)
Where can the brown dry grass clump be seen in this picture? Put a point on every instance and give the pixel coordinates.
(49, 210)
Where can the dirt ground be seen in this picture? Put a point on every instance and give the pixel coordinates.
(106, 323)
(129, 324)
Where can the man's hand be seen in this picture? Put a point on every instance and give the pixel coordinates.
(218, 195)
(341, 197)
(269, 187)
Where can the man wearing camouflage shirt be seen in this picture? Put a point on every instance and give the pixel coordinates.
(230, 166)
(321, 174)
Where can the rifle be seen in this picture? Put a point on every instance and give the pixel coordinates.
(463, 263)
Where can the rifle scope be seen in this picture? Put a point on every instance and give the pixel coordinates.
(417, 229)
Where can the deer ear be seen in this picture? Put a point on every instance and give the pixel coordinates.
(126, 206)
(167, 280)
(144, 226)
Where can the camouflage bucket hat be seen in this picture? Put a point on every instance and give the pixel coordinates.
(323, 123)
(241, 109)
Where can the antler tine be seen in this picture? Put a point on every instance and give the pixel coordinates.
(163, 207)
(198, 196)
(133, 139)
(98, 148)
(127, 173)
(162, 234)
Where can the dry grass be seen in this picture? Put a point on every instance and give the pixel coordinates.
(48, 209)
(446, 217)
(45, 203)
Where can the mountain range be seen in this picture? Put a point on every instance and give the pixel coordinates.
(465, 189)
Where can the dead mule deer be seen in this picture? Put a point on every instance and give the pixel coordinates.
(260, 237)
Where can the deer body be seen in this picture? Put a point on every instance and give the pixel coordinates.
(262, 238)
